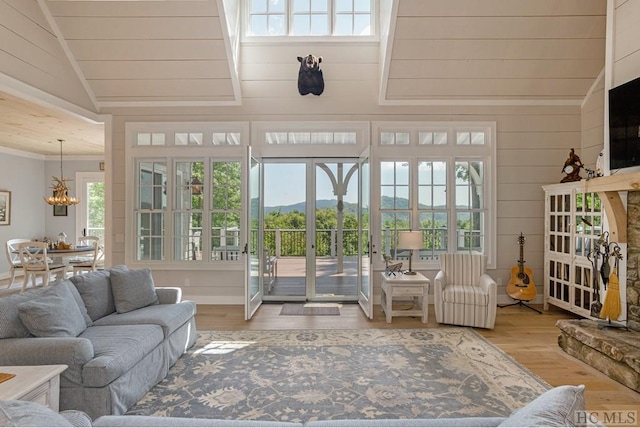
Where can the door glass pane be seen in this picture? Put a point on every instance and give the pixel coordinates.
(336, 234)
(285, 228)
(254, 218)
(365, 296)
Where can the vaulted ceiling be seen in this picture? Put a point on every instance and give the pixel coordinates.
(113, 54)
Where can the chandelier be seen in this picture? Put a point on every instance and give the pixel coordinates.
(60, 188)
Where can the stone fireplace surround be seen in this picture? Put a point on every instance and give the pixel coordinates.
(614, 351)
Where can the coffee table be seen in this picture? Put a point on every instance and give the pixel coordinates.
(38, 384)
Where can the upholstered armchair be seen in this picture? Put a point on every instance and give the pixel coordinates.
(463, 293)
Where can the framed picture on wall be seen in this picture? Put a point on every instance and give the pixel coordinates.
(60, 210)
(5, 208)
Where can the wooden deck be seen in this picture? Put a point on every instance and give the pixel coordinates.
(290, 279)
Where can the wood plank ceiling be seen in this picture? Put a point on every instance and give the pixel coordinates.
(178, 52)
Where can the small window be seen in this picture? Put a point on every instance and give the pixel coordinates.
(470, 138)
(226, 139)
(353, 18)
(188, 139)
(432, 138)
(150, 139)
(310, 18)
(398, 138)
(267, 17)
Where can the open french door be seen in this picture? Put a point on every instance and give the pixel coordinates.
(253, 247)
(365, 243)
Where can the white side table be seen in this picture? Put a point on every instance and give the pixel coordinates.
(414, 286)
(38, 384)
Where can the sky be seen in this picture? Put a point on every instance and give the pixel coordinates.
(285, 183)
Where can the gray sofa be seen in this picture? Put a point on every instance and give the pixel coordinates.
(560, 406)
(116, 332)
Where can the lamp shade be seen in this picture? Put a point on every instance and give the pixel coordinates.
(410, 240)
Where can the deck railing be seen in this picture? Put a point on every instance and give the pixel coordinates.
(293, 243)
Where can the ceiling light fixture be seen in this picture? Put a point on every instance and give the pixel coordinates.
(60, 188)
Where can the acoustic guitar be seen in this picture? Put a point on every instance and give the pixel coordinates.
(521, 286)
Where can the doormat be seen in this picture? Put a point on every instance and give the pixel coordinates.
(309, 309)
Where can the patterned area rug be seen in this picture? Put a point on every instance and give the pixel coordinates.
(304, 375)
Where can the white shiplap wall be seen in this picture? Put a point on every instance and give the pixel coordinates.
(533, 142)
(626, 41)
(31, 53)
(593, 123)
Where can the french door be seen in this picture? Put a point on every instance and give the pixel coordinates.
(366, 247)
(253, 247)
(313, 236)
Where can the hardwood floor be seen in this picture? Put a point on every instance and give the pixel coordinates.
(530, 338)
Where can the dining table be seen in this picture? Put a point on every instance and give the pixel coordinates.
(59, 254)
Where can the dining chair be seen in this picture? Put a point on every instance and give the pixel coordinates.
(14, 258)
(91, 263)
(35, 262)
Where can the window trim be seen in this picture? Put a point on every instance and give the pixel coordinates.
(287, 38)
(414, 153)
(170, 154)
(259, 130)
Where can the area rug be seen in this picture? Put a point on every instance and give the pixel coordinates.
(304, 375)
(303, 309)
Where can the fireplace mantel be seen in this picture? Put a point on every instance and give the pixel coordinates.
(608, 189)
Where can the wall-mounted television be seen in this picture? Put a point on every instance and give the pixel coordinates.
(624, 126)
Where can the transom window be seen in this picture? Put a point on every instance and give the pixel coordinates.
(188, 139)
(310, 17)
(310, 137)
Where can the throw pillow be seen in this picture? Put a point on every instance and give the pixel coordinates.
(132, 289)
(54, 313)
(10, 324)
(76, 296)
(554, 408)
(95, 290)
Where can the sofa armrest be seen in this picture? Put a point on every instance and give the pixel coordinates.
(169, 295)
(35, 351)
(77, 418)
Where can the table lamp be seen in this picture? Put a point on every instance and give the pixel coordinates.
(410, 240)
